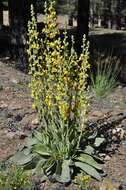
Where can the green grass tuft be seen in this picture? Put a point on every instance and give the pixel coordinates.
(105, 78)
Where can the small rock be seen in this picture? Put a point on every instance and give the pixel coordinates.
(107, 158)
(119, 87)
(8, 88)
(14, 81)
(7, 58)
(114, 131)
(119, 132)
(3, 104)
(35, 121)
(102, 155)
(124, 122)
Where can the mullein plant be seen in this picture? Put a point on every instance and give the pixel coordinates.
(58, 88)
(58, 76)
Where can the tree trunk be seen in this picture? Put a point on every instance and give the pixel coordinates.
(19, 14)
(118, 15)
(109, 14)
(105, 16)
(1, 15)
(82, 21)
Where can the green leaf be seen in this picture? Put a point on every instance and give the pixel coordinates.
(65, 176)
(93, 135)
(89, 170)
(58, 168)
(89, 160)
(42, 150)
(39, 166)
(31, 141)
(98, 141)
(48, 166)
(21, 159)
(38, 136)
(89, 150)
(26, 151)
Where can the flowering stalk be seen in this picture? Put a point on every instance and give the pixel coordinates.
(58, 75)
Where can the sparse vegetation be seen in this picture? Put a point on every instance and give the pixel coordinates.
(104, 79)
(14, 178)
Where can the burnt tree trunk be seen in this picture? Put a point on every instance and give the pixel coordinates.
(19, 14)
(82, 21)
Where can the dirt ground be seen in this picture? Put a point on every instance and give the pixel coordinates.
(18, 120)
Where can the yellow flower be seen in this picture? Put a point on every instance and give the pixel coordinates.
(54, 70)
(33, 106)
(79, 188)
(86, 178)
(21, 179)
(48, 101)
(94, 188)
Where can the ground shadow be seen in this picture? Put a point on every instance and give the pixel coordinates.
(111, 41)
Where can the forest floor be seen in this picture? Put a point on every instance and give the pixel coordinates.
(18, 120)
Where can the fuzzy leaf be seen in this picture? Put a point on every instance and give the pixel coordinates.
(38, 136)
(41, 149)
(89, 160)
(65, 173)
(27, 151)
(58, 168)
(99, 141)
(89, 150)
(31, 141)
(89, 170)
(21, 159)
(39, 166)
